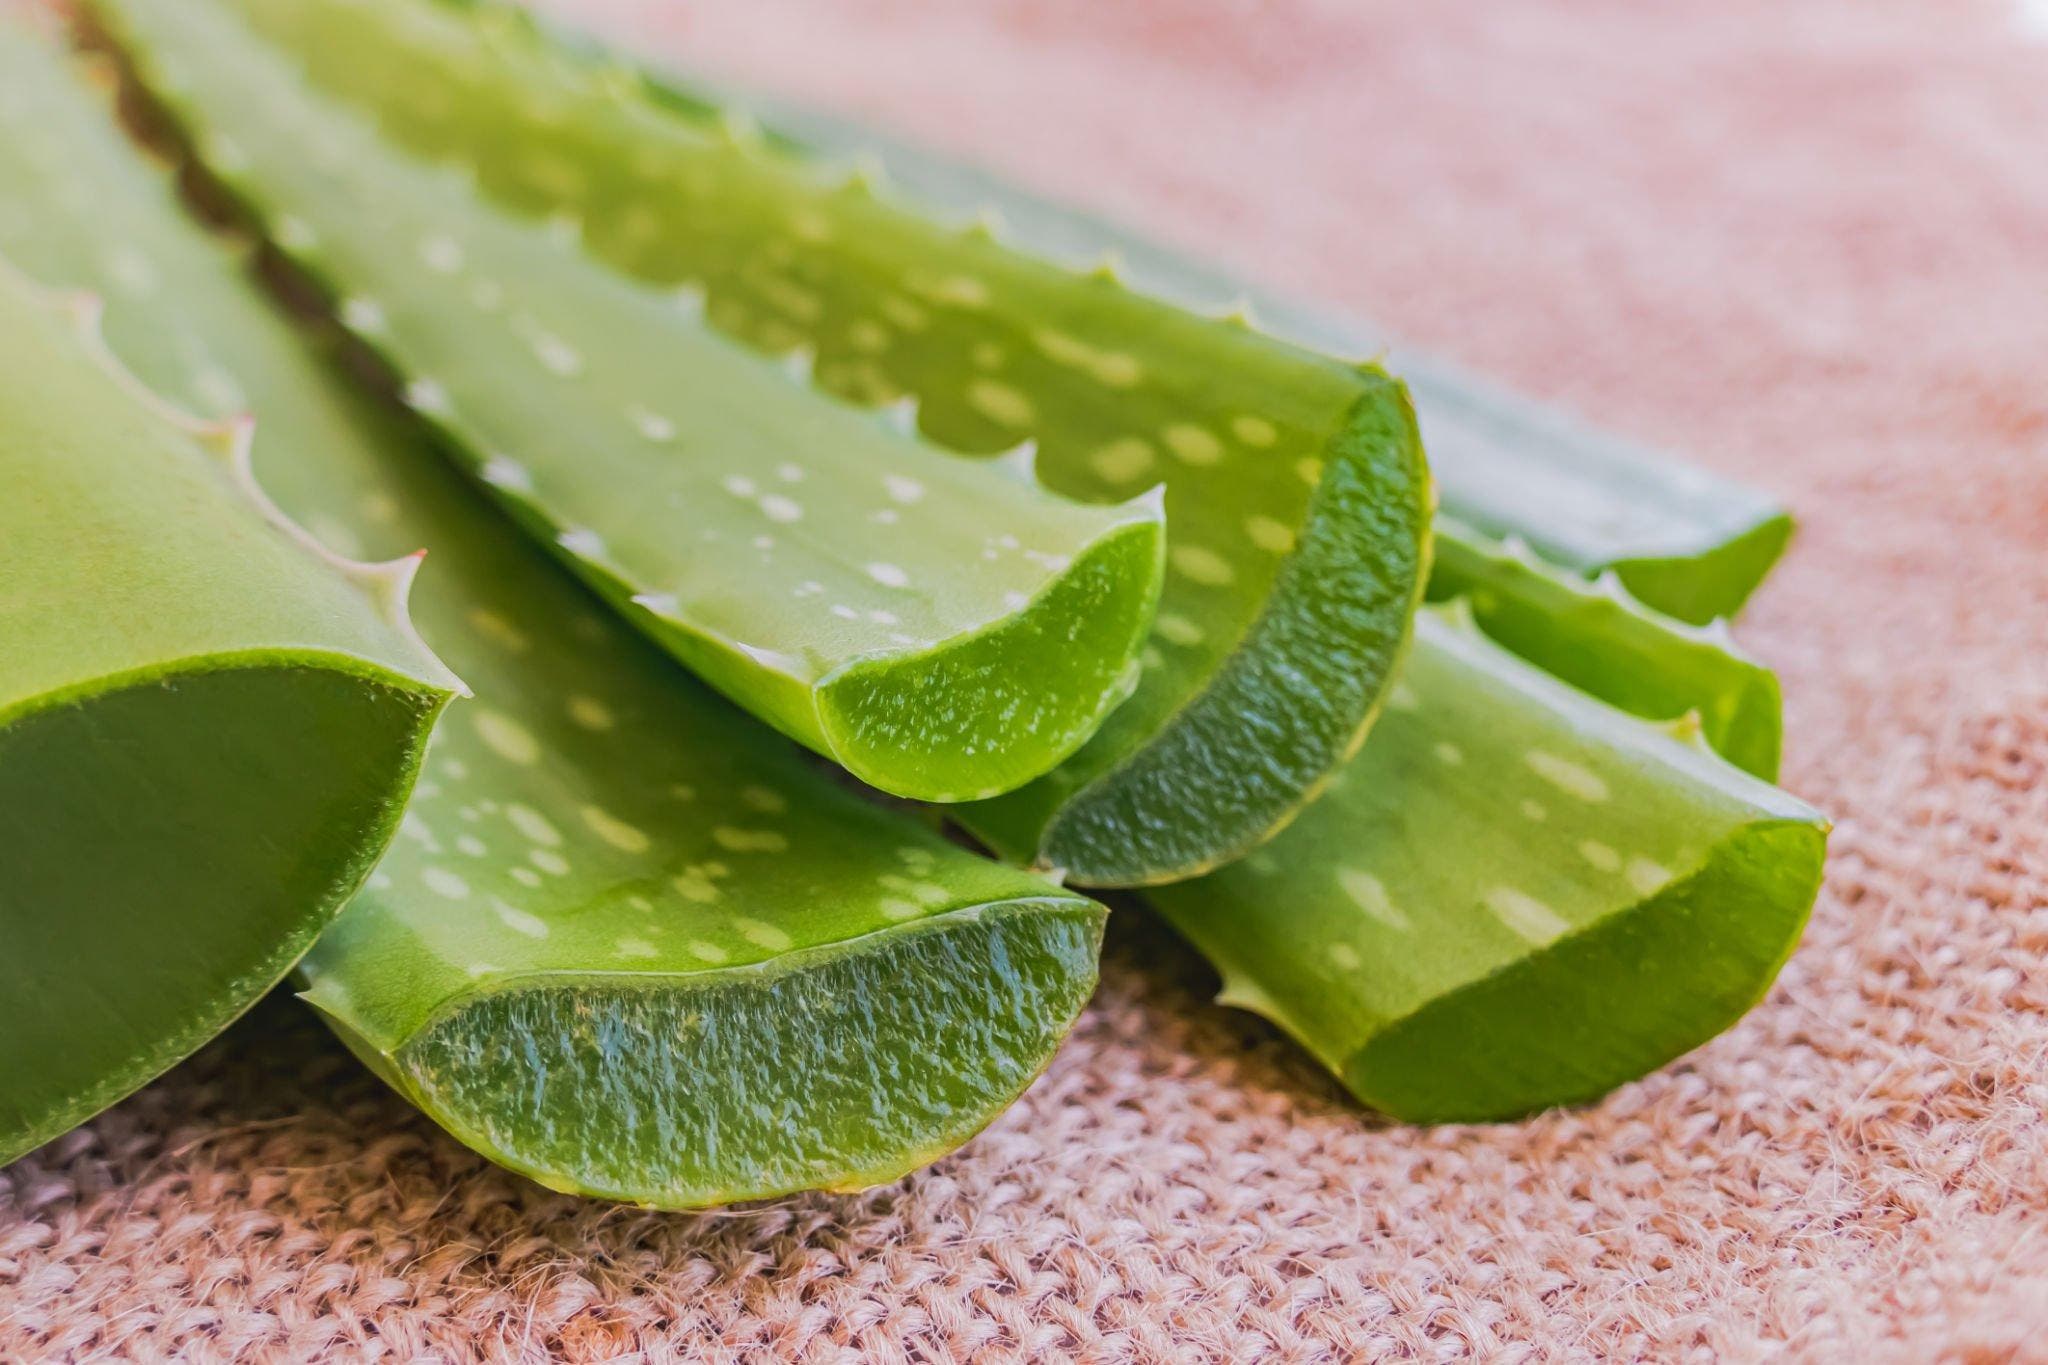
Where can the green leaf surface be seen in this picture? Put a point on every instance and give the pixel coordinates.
(1597, 637)
(1515, 896)
(629, 942)
(208, 725)
(1296, 496)
(1686, 542)
(945, 629)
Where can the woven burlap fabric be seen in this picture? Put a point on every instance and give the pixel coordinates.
(1807, 244)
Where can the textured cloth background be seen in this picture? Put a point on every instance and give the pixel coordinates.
(1807, 244)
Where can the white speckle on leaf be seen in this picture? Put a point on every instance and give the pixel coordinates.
(1601, 856)
(1573, 779)
(1191, 444)
(651, 424)
(1528, 917)
(1646, 876)
(1254, 431)
(740, 840)
(1000, 403)
(1121, 461)
(1369, 894)
(1270, 535)
(505, 736)
(443, 254)
(519, 921)
(1199, 564)
(627, 838)
(533, 825)
(590, 713)
(762, 934)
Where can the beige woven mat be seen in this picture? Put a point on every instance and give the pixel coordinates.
(1808, 244)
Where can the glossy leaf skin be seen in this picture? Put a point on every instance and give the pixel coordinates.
(601, 855)
(1685, 542)
(945, 629)
(208, 726)
(1297, 500)
(1597, 637)
(1515, 897)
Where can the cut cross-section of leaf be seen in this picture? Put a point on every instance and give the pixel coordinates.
(208, 725)
(945, 629)
(945, 1016)
(1297, 500)
(629, 942)
(1514, 897)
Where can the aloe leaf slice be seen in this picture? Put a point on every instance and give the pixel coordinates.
(1598, 637)
(1515, 896)
(1297, 499)
(208, 725)
(945, 629)
(1686, 542)
(629, 943)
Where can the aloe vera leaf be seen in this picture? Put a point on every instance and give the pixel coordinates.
(1686, 542)
(1515, 897)
(208, 725)
(944, 629)
(1597, 637)
(400, 54)
(630, 943)
(1297, 499)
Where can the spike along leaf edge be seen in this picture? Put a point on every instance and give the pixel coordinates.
(1689, 544)
(1296, 494)
(629, 943)
(208, 724)
(1596, 636)
(944, 629)
(1515, 897)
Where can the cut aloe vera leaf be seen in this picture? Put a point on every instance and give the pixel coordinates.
(1515, 897)
(1597, 637)
(629, 943)
(945, 629)
(1686, 542)
(1592, 633)
(1296, 494)
(208, 725)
